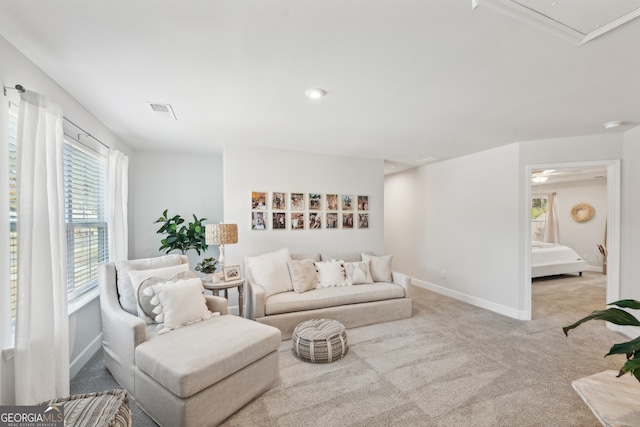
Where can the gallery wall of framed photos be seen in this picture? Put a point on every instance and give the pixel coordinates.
(308, 211)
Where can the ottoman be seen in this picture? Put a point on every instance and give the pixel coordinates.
(320, 340)
(108, 408)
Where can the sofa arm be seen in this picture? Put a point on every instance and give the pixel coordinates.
(255, 300)
(404, 281)
(218, 304)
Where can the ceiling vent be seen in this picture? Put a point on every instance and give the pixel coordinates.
(164, 111)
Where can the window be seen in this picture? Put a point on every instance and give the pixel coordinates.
(538, 217)
(85, 214)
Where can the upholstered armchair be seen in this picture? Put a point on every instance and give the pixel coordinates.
(175, 376)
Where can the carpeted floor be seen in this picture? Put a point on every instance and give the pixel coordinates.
(451, 364)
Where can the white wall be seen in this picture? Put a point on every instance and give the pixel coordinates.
(460, 217)
(252, 169)
(581, 237)
(630, 239)
(15, 68)
(185, 184)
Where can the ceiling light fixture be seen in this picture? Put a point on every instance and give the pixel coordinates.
(538, 179)
(612, 125)
(315, 93)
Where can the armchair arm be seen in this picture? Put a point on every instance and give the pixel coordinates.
(255, 300)
(218, 304)
(404, 281)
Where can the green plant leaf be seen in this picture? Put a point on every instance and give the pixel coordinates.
(627, 348)
(627, 303)
(613, 315)
(632, 365)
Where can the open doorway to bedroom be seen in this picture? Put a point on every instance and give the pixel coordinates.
(573, 224)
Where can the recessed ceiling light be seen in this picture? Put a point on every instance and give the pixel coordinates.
(315, 93)
(612, 125)
(164, 111)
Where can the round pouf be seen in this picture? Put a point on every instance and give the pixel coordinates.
(320, 340)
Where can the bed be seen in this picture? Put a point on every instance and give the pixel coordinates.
(550, 259)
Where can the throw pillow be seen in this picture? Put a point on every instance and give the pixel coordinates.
(330, 273)
(304, 276)
(270, 271)
(357, 272)
(380, 267)
(139, 276)
(144, 300)
(179, 304)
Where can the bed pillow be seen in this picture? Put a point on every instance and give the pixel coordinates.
(270, 271)
(380, 267)
(304, 276)
(144, 300)
(138, 276)
(330, 273)
(357, 273)
(179, 304)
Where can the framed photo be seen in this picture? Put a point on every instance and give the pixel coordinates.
(332, 220)
(347, 220)
(278, 201)
(315, 202)
(297, 201)
(363, 220)
(347, 202)
(315, 221)
(279, 221)
(258, 221)
(332, 202)
(297, 220)
(363, 203)
(258, 200)
(231, 272)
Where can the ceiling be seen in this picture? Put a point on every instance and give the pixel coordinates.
(583, 174)
(407, 81)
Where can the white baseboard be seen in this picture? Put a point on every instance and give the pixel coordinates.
(594, 268)
(478, 302)
(85, 355)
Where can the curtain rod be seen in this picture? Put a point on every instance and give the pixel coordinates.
(21, 89)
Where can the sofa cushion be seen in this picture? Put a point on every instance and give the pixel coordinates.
(270, 271)
(192, 358)
(331, 297)
(357, 273)
(344, 256)
(303, 275)
(330, 273)
(125, 288)
(315, 256)
(380, 267)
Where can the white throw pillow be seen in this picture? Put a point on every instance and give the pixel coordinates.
(357, 272)
(303, 275)
(179, 304)
(270, 271)
(139, 276)
(380, 267)
(144, 299)
(330, 273)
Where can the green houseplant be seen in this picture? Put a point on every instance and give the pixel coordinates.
(207, 266)
(619, 317)
(179, 236)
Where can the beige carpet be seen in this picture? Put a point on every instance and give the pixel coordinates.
(451, 364)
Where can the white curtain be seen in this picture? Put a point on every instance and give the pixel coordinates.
(551, 227)
(42, 321)
(117, 199)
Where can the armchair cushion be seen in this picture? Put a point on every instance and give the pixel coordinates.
(144, 301)
(179, 304)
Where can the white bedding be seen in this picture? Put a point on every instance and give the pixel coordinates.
(548, 259)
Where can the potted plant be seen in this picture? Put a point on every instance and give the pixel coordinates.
(181, 237)
(208, 267)
(619, 317)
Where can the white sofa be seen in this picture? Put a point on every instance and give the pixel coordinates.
(353, 306)
(196, 375)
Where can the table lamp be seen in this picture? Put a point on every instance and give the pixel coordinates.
(220, 235)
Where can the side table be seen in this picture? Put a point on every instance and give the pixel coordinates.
(216, 287)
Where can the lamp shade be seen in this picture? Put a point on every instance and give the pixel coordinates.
(221, 234)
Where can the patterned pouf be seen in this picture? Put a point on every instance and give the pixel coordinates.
(108, 408)
(320, 340)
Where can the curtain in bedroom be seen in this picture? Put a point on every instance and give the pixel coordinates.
(551, 226)
(42, 322)
(117, 190)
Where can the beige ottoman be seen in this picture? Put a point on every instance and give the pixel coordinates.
(320, 340)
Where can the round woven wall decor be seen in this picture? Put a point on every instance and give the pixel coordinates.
(582, 212)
